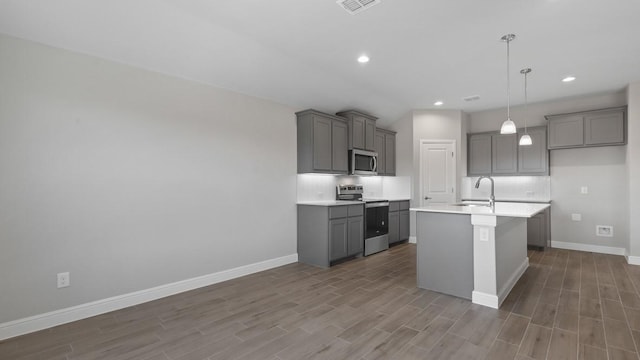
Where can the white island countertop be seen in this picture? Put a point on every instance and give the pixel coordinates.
(508, 209)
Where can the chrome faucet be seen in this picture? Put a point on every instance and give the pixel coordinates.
(492, 198)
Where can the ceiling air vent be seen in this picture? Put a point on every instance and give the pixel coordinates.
(355, 6)
(472, 98)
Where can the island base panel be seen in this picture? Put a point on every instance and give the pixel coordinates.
(445, 253)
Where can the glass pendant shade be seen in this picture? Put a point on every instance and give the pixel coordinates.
(508, 127)
(525, 140)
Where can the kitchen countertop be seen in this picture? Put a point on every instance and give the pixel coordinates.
(506, 209)
(330, 203)
(346, 202)
(513, 200)
(390, 199)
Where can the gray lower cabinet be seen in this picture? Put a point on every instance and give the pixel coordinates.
(338, 237)
(329, 233)
(404, 224)
(385, 146)
(398, 221)
(588, 128)
(496, 154)
(355, 238)
(362, 129)
(539, 229)
(394, 226)
(322, 143)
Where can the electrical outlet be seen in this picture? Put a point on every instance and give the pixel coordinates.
(604, 230)
(64, 280)
(484, 234)
(584, 190)
(576, 217)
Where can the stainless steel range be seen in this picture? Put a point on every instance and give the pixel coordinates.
(376, 218)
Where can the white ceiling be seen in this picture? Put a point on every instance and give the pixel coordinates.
(303, 52)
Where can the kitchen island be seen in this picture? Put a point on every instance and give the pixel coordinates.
(473, 251)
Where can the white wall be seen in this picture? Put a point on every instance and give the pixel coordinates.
(130, 179)
(602, 169)
(436, 125)
(633, 170)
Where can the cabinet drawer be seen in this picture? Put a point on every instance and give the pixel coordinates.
(355, 210)
(404, 205)
(394, 206)
(338, 211)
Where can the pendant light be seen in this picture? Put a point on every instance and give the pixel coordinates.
(508, 126)
(525, 139)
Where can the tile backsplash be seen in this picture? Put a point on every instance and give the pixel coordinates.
(522, 188)
(315, 187)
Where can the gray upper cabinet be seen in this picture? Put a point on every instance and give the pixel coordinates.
(479, 157)
(379, 148)
(385, 146)
(390, 153)
(566, 132)
(534, 159)
(322, 143)
(339, 149)
(362, 129)
(369, 131)
(496, 154)
(504, 154)
(605, 127)
(588, 128)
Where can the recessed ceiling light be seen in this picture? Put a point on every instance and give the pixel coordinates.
(569, 79)
(438, 103)
(363, 59)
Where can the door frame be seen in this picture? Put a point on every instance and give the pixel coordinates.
(424, 142)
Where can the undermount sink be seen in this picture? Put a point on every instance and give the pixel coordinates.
(472, 204)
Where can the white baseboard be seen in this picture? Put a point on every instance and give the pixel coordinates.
(58, 317)
(511, 282)
(590, 248)
(632, 260)
(485, 299)
(412, 239)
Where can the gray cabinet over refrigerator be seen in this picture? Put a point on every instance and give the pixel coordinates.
(588, 128)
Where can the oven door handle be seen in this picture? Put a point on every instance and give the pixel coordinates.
(376, 204)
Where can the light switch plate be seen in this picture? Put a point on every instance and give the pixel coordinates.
(576, 217)
(584, 190)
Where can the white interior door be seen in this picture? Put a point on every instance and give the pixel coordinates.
(437, 172)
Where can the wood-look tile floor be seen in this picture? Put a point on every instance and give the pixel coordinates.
(568, 305)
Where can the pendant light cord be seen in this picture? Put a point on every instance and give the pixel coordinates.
(508, 84)
(526, 102)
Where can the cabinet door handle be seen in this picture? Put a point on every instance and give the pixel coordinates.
(427, 198)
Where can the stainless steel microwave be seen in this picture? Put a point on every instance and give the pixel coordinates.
(363, 162)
